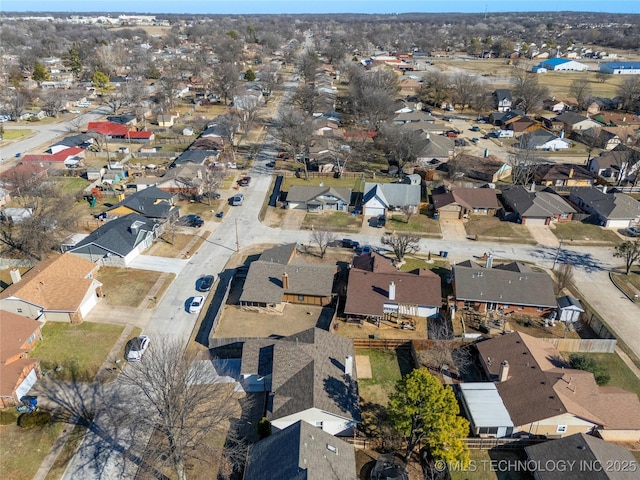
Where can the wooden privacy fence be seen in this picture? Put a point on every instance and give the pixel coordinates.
(593, 345)
(489, 443)
(382, 343)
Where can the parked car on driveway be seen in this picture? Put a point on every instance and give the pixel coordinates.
(244, 181)
(236, 200)
(381, 221)
(195, 221)
(348, 243)
(632, 231)
(136, 347)
(205, 283)
(195, 305)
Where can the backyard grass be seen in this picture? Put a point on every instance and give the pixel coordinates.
(420, 224)
(576, 233)
(71, 185)
(491, 228)
(23, 450)
(334, 221)
(387, 367)
(15, 134)
(621, 375)
(126, 287)
(80, 349)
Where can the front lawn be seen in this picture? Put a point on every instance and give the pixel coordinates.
(420, 224)
(576, 233)
(22, 450)
(334, 221)
(126, 287)
(14, 134)
(492, 228)
(80, 349)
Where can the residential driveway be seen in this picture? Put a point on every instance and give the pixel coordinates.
(453, 230)
(105, 313)
(293, 219)
(543, 235)
(158, 264)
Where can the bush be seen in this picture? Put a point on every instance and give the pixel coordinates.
(34, 419)
(264, 428)
(588, 364)
(8, 416)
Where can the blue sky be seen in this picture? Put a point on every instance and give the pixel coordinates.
(321, 6)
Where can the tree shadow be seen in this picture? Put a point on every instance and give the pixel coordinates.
(344, 393)
(585, 261)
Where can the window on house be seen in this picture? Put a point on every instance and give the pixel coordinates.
(319, 425)
(18, 310)
(301, 298)
(561, 429)
(520, 308)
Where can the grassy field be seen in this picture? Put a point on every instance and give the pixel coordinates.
(577, 233)
(621, 375)
(338, 221)
(23, 450)
(126, 287)
(80, 349)
(497, 230)
(387, 367)
(14, 134)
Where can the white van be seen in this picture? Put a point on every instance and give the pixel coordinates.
(504, 134)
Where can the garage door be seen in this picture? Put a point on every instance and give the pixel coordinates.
(26, 384)
(535, 222)
(449, 215)
(373, 211)
(86, 307)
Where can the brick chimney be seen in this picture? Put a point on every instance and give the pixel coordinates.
(571, 171)
(285, 281)
(15, 275)
(504, 372)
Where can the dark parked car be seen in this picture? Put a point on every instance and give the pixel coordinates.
(348, 243)
(205, 283)
(196, 221)
(244, 181)
(381, 221)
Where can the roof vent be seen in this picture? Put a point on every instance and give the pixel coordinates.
(581, 447)
(332, 449)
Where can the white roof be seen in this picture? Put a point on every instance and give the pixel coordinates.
(485, 405)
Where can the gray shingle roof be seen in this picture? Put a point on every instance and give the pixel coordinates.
(608, 205)
(117, 237)
(535, 204)
(301, 452)
(306, 194)
(503, 286)
(150, 202)
(264, 281)
(307, 371)
(584, 451)
(395, 194)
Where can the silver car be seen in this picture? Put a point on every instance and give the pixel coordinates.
(136, 347)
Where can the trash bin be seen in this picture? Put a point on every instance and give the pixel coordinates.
(436, 216)
(441, 253)
(445, 254)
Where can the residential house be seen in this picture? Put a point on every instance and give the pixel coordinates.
(151, 203)
(166, 121)
(490, 169)
(502, 99)
(499, 119)
(508, 288)
(16, 215)
(69, 157)
(563, 175)
(583, 457)
(118, 241)
(309, 376)
(318, 199)
(18, 373)
(460, 202)
(81, 140)
(556, 106)
(413, 116)
(300, 451)
(197, 156)
(278, 278)
(563, 65)
(188, 179)
(63, 288)
(435, 147)
(543, 140)
(124, 119)
(618, 119)
(616, 166)
(610, 210)
(521, 125)
(544, 397)
(378, 198)
(575, 122)
(535, 207)
(609, 138)
(377, 291)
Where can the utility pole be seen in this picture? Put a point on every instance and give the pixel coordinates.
(555, 260)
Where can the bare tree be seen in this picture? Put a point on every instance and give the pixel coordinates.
(401, 145)
(435, 89)
(177, 399)
(564, 276)
(527, 89)
(629, 251)
(445, 352)
(17, 104)
(308, 66)
(225, 80)
(629, 92)
(306, 98)
(322, 238)
(408, 211)
(581, 89)
(116, 99)
(464, 89)
(53, 103)
(295, 130)
(402, 243)
(248, 112)
(372, 95)
(524, 164)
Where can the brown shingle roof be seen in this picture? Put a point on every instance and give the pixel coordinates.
(15, 330)
(367, 291)
(59, 283)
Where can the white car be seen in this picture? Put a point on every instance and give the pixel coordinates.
(136, 347)
(74, 111)
(196, 304)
